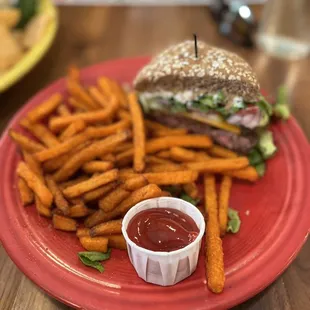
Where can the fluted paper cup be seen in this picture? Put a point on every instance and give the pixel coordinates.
(164, 268)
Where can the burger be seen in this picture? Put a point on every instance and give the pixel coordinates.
(215, 93)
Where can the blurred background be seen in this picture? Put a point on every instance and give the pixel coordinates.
(39, 39)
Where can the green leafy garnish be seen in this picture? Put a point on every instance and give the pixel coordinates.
(255, 157)
(196, 105)
(281, 108)
(218, 97)
(93, 259)
(223, 111)
(177, 107)
(234, 222)
(261, 169)
(175, 191)
(89, 263)
(282, 112)
(264, 105)
(266, 144)
(190, 199)
(208, 102)
(96, 256)
(28, 9)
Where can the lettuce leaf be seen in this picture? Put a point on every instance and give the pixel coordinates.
(190, 199)
(234, 222)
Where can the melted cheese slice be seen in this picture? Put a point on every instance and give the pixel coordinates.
(217, 123)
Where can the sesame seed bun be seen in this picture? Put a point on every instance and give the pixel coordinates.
(176, 69)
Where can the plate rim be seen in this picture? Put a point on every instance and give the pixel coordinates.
(50, 289)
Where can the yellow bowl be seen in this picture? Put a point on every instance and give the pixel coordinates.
(32, 56)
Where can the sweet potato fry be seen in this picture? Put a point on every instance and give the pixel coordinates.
(164, 168)
(89, 153)
(117, 242)
(154, 126)
(184, 155)
(125, 157)
(62, 148)
(63, 110)
(83, 232)
(146, 192)
(74, 73)
(41, 208)
(78, 105)
(79, 210)
(26, 194)
(169, 132)
(98, 96)
(138, 132)
(73, 129)
(97, 166)
(163, 154)
(152, 159)
(126, 173)
(214, 249)
(72, 182)
(92, 183)
(97, 244)
(112, 88)
(96, 218)
(25, 143)
(103, 131)
(219, 151)
(33, 165)
(123, 114)
(106, 86)
(195, 141)
(45, 108)
(59, 200)
(211, 205)
(248, 173)
(113, 199)
(34, 182)
(219, 165)
(158, 144)
(135, 183)
(191, 190)
(77, 201)
(224, 203)
(64, 223)
(108, 157)
(121, 95)
(41, 132)
(59, 122)
(99, 192)
(169, 178)
(108, 228)
(56, 163)
(78, 92)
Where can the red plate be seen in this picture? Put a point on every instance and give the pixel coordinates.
(271, 234)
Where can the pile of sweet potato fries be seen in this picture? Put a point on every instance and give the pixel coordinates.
(93, 156)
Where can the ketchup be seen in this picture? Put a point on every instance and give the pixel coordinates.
(162, 229)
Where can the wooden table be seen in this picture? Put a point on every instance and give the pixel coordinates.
(89, 35)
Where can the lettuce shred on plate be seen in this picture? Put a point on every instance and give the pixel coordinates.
(234, 222)
(94, 259)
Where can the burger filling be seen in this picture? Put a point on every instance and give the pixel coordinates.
(235, 111)
(231, 122)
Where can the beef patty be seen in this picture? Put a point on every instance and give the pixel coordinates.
(243, 143)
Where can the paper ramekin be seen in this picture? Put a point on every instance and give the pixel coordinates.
(164, 268)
